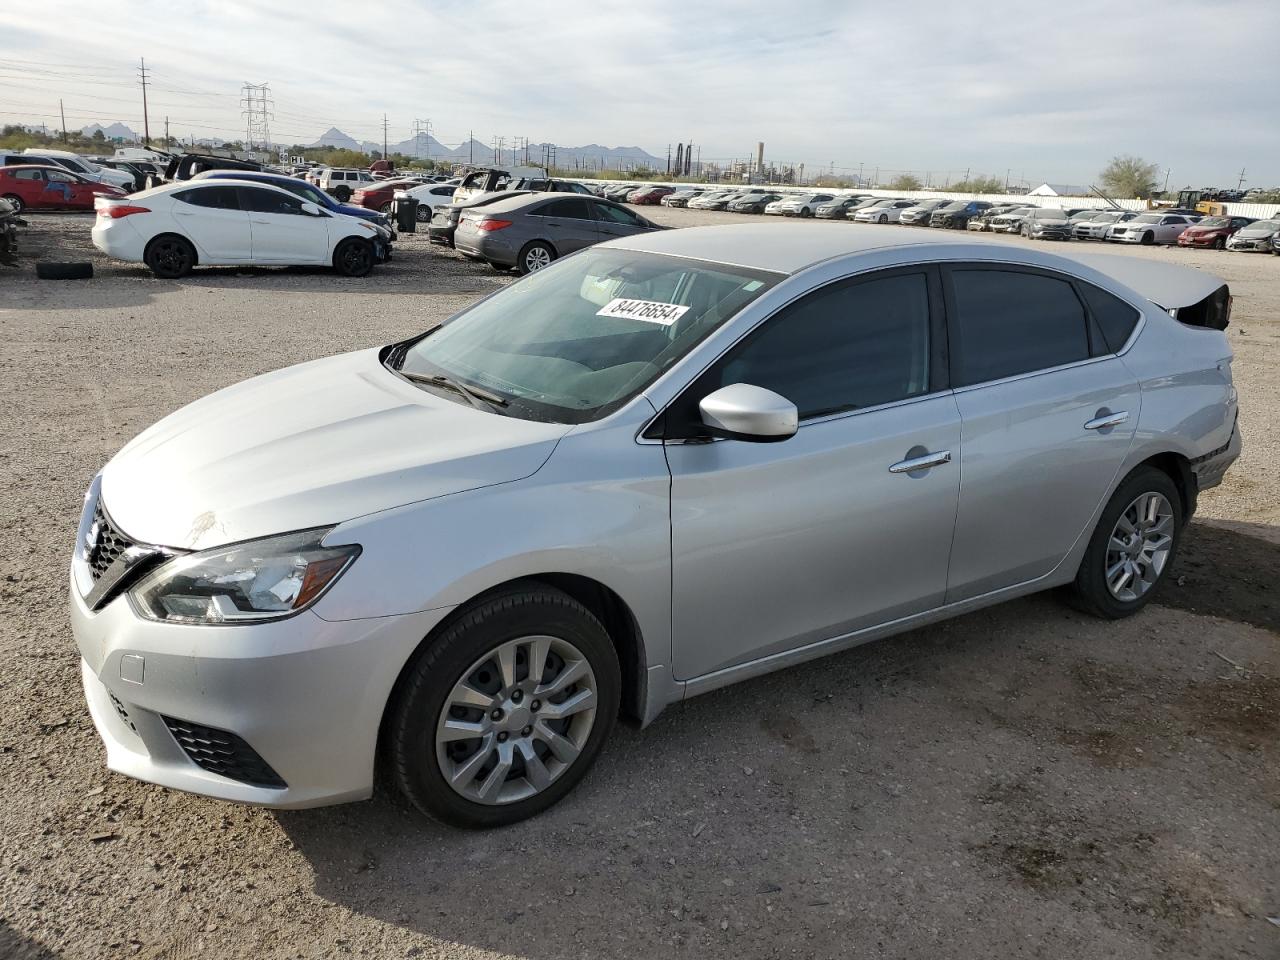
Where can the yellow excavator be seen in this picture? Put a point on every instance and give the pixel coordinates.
(1191, 200)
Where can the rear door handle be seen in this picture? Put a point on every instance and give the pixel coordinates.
(262, 221)
(922, 462)
(1107, 420)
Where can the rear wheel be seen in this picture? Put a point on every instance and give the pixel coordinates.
(503, 713)
(342, 194)
(354, 257)
(424, 213)
(535, 256)
(386, 207)
(806, 212)
(1132, 547)
(169, 256)
(15, 200)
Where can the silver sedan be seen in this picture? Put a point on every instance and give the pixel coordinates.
(657, 467)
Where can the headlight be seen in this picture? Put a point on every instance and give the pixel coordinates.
(258, 580)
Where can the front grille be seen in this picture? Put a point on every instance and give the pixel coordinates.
(110, 544)
(223, 753)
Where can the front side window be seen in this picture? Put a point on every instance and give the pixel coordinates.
(268, 201)
(611, 214)
(57, 176)
(1010, 322)
(573, 343)
(842, 348)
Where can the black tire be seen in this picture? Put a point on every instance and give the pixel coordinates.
(535, 255)
(170, 256)
(524, 610)
(805, 213)
(1220, 243)
(354, 257)
(1148, 238)
(15, 200)
(385, 208)
(342, 194)
(424, 213)
(884, 218)
(48, 270)
(1089, 593)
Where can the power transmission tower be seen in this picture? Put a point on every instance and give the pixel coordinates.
(256, 100)
(1240, 182)
(142, 77)
(420, 127)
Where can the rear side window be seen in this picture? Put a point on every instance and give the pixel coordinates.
(1009, 322)
(1115, 318)
(570, 208)
(219, 198)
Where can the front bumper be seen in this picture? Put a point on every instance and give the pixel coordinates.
(1198, 240)
(1250, 246)
(305, 694)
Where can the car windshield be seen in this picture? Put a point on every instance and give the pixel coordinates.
(574, 342)
(953, 205)
(1050, 215)
(1148, 218)
(1106, 218)
(1268, 225)
(1215, 222)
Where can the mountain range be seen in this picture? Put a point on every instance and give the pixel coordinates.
(591, 156)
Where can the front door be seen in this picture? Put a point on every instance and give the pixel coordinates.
(778, 545)
(615, 221)
(282, 232)
(1048, 412)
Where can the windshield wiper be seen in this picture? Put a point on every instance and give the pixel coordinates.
(474, 395)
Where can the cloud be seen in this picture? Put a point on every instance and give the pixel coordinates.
(1051, 91)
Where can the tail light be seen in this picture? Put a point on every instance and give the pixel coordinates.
(117, 211)
(488, 226)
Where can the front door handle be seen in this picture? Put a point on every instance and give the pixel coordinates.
(1107, 420)
(922, 462)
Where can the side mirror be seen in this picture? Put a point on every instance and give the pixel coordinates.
(741, 411)
(310, 209)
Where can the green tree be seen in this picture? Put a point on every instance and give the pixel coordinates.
(99, 136)
(906, 181)
(1128, 176)
(979, 184)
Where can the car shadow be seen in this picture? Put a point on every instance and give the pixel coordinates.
(736, 802)
(14, 946)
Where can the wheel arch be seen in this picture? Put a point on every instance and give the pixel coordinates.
(1178, 469)
(195, 251)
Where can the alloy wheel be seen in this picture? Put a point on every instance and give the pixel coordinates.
(536, 258)
(517, 720)
(1139, 547)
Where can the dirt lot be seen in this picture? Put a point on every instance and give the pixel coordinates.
(1020, 782)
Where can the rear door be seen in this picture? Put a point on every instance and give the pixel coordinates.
(281, 232)
(779, 545)
(566, 222)
(1048, 413)
(210, 216)
(28, 186)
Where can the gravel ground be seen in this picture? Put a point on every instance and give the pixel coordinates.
(1020, 782)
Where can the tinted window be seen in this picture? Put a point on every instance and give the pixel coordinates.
(571, 208)
(219, 198)
(268, 201)
(842, 348)
(1009, 322)
(1114, 317)
(607, 211)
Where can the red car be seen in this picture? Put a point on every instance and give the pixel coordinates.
(650, 196)
(378, 196)
(1212, 232)
(39, 187)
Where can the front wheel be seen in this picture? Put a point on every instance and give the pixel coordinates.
(15, 200)
(354, 257)
(535, 256)
(1132, 548)
(169, 257)
(386, 207)
(1220, 243)
(883, 218)
(501, 715)
(1148, 238)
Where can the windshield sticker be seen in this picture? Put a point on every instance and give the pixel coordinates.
(649, 310)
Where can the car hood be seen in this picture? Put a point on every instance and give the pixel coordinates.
(308, 446)
(1255, 233)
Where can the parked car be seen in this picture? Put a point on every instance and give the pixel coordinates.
(431, 197)
(918, 214)
(882, 211)
(1212, 232)
(136, 170)
(184, 166)
(1096, 227)
(681, 197)
(1047, 224)
(379, 194)
(177, 226)
(493, 178)
(798, 204)
(343, 185)
(1153, 227)
(751, 202)
(1256, 237)
(304, 190)
(1011, 220)
(716, 200)
(650, 196)
(547, 184)
(958, 213)
(78, 165)
(33, 187)
(982, 222)
(9, 223)
(444, 224)
(619, 193)
(612, 444)
(529, 232)
(837, 207)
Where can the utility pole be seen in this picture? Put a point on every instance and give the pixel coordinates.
(1167, 171)
(471, 146)
(1006, 179)
(1240, 182)
(146, 126)
(64, 120)
(384, 136)
(166, 133)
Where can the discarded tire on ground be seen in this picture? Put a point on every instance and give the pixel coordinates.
(49, 270)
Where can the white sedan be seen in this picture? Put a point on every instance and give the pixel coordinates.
(174, 227)
(886, 211)
(430, 197)
(1149, 228)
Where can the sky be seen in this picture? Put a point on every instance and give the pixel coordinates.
(1034, 91)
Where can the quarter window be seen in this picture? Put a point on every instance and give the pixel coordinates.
(1009, 322)
(841, 348)
(1115, 318)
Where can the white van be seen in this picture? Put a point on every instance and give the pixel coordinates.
(143, 153)
(341, 184)
(78, 164)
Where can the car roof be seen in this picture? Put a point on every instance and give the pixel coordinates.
(789, 248)
(212, 182)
